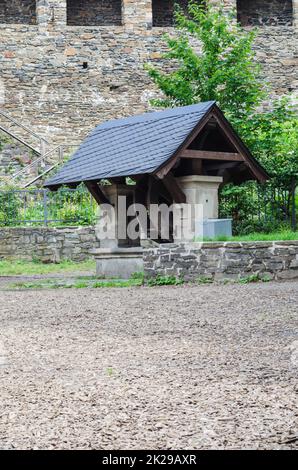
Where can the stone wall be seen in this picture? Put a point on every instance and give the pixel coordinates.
(63, 80)
(13, 156)
(260, 12)
(163, 11)
(94, 12)
(218, 261)
(18, 11)
(49, 245)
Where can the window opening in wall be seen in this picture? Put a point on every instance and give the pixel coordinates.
(17, 12)
(163, 11)
(94, 12)
(265, 12)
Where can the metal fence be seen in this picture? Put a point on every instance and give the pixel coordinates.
(43, 207)
(253, 207)
(258, 207)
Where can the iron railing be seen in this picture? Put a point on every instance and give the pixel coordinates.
(48, 158)
(11, 127)
(43, 207)
(257, 207)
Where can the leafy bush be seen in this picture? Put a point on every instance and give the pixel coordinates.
(9, 207)
(37, 206)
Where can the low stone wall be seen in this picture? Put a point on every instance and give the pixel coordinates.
(46, 244)
(276, 260)
(229, 260)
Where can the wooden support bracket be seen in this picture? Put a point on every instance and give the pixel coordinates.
(96, 192)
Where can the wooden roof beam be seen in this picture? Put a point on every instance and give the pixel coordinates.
(208, 155)
(174, 189)
(219, 165)
(96, 192)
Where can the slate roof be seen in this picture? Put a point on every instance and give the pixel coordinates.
(131, 146)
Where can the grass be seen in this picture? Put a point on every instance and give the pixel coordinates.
(21, 267)
(205, 280)
(91, 282)
(254, 237)
(164, 281)
(75, 284)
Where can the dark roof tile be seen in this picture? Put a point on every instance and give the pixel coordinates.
(131, 146)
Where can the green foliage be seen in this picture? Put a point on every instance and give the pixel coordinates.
(164, 281)
(138, 275)
(285, 234)
(273, 137)
(223, 71)
(256, 277)
(205, 280)
(73, 205)
(76, 284)
(64, 206)
(9, 207)
(255, 207)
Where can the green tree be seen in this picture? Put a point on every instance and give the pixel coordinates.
(273, 138)
(224, 70)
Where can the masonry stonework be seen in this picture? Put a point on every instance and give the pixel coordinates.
(62, 80)
(17, 11)
(220, 261)
(192, 261)
(46, 244)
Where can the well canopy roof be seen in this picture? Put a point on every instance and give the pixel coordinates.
(131, 146)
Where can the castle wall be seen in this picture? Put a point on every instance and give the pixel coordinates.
(62, 80)
(260, 12)
(94, 13)
(17, 11)
(163, 11)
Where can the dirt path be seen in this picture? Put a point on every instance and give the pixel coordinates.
(194, 367)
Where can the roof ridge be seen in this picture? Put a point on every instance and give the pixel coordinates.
(145, 117)
(143, 123)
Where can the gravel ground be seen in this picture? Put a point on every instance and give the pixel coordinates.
(188, 367)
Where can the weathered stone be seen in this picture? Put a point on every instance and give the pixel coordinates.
(192, 260)
(48, 244)
(69, 86)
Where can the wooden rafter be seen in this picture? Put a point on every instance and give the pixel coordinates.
(174, 189)
(215, 116)
(96, 192)
(251, 163)
(207, 155)
(164, 169)
(219, 165)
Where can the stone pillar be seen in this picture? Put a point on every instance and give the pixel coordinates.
(200, 189)
(50, 12)
(118, 258)
(137, 14)
(59, 8)
(229, 5)
(114, 193)
(42, 13)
